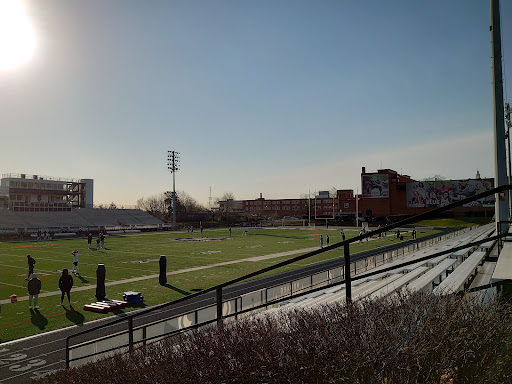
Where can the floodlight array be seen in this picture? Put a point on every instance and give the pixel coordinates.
(173, 161)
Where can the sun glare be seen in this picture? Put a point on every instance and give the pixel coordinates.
(17, 38)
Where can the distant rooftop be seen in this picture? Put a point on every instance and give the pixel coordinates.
(36, 177)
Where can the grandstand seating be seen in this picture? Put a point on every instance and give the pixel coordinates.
(435, 275)
(78, 218)
(458, 279)
(443, 274)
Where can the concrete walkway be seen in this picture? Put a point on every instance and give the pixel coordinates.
(253, 259)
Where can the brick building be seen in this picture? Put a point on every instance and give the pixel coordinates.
(384, 194)
(320, 206)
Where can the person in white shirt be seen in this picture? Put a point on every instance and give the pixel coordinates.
(75, 262)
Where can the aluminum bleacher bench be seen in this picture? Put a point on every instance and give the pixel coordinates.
(458, 279)
(503, 270)
(436, 260)
(399, 283)
(460, 254)
(429, 278)
(486, 247)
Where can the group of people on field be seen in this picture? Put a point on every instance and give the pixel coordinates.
(65, 282)
(100, 241)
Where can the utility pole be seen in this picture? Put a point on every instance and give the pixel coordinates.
(309, 208)
(500, 155)
(508, 123)
(173, 166)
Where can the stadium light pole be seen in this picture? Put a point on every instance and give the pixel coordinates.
(500, 155)
(173, 166)
(508, 124)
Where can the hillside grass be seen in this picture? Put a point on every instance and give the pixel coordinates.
(137, 255)
(456, 222)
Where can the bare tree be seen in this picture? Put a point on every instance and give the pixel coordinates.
(160, 206)
(227, 196)
(156, 205)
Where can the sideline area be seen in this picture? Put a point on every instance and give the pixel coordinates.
(155, 276)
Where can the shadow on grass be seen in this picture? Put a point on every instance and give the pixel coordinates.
(74, 316)
(83, 280)
(119, 312)
(38, 319)
(176, 289)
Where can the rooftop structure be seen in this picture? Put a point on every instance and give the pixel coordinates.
(22, 192)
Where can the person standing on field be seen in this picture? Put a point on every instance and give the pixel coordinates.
(75, 262)
(31, 262)
(34, 287)
(89, 240)
(65, 285)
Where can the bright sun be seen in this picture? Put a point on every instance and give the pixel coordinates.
(17, 38)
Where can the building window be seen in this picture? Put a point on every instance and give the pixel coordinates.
(345, 205)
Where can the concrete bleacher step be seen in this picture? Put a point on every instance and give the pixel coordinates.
(484, 275)
(503, 270)
(458, 279)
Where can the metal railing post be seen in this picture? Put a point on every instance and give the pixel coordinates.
(348, 283)
(130, 334)
(67, 353)
(219, 305)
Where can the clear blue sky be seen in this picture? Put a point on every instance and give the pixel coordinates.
(271, 96)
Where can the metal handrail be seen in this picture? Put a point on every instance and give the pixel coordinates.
(347, 274)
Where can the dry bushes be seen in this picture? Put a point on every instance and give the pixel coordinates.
(407, 338)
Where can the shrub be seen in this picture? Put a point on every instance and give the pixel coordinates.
(405, 338)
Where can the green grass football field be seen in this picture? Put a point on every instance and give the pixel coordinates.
(196, 261)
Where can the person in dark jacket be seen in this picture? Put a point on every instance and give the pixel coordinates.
(34, 287)
(31, 262)
(65, 284)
